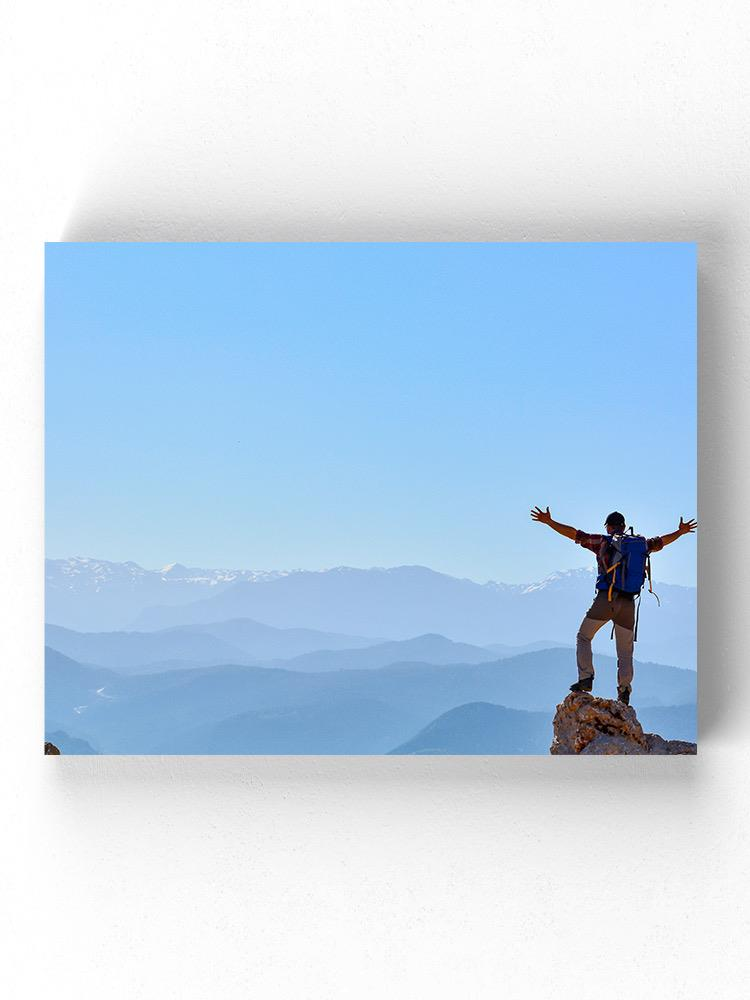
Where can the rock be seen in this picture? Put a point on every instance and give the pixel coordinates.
(50, 748)
(605, 743)
(584, 724)
(658, 745)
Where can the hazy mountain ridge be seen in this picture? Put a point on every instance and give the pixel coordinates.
(344, 726)
(484, 728)
(249, 642)
(338, 661)
(98, 595)
(392, 603)
(481, 728)
(407, 601)
(143, 713)
(129, 651)
(433, 649)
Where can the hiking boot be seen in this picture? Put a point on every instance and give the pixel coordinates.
(623, 695)
(583, 685)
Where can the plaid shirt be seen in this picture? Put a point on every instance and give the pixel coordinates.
(600, 545)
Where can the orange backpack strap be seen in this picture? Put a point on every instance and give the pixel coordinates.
(612, 570)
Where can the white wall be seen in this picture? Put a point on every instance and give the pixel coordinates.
(407, 878)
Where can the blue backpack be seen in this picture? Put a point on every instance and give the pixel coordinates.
(630, 567)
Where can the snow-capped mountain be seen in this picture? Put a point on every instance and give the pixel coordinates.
(563, 578)
(80, 571)
(96, 594)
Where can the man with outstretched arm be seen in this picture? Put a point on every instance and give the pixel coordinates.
(610, 603)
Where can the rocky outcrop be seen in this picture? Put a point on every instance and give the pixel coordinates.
(584, 724)
(50, 749)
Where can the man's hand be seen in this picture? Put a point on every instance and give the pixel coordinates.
(544, 516)
(685, 528)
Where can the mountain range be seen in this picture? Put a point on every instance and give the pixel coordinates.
(99, 595)
(232, 708)
(388, 604)
(253, 643)
(239, 641)
(483, 728)
(402, 660)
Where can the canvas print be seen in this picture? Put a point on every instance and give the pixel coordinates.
(370, 498)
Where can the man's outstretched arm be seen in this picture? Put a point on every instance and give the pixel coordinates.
(544, 517)
(684, 528)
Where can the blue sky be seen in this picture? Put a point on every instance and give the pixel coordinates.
(278, 406)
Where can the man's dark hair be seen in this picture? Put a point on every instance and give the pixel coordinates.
(615, 520)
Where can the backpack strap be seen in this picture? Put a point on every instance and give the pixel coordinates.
(612, 570)
(637, 615)
(616, 560)
(648, 573)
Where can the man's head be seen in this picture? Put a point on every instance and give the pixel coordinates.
(615, 523)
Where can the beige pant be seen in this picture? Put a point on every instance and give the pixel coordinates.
(621, 611)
